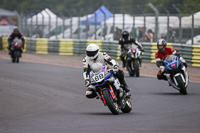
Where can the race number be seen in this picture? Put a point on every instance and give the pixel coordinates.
(99, 77)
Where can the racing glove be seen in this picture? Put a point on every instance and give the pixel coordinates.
(115, 68)
(162, 68)
(87, 82)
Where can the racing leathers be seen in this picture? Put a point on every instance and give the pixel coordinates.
(125, 45)
(14, 36)
(161, 56)
(103, 59)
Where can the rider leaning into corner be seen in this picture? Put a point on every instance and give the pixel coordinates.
(125, 42)
(161, 54)
(13, 36)
(95, 57)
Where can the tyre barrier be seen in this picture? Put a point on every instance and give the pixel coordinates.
(191, 53)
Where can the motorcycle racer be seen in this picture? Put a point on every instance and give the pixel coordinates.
(161, 54)
(13, 36)
(95, 57)
(125, 43)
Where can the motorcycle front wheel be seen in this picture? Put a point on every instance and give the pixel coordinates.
(17, 55)
(181, 85)
(129, 68)
(113, 106)
(136, 68)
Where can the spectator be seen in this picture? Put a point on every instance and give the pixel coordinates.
(117, 33)
(149, 36)
(38, 31)
(172, 34)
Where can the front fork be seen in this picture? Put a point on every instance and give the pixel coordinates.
(110, 89)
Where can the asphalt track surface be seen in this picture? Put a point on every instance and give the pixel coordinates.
(40, 98)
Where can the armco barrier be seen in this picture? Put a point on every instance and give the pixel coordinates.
(53, 46)
(196, 56)
(42, 45)
(66, 47)
(4, 43)
(191, 53)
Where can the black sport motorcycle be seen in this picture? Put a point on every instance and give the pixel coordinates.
(15, 52)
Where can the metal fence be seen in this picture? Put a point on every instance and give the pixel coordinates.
(77, 47)
(145, 26)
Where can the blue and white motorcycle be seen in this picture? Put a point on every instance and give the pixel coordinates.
(176, 73)
(108, 88)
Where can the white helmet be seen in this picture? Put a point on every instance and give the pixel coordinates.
(92, 51)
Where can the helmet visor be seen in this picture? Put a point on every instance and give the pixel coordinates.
(91, 53)
(125, 36)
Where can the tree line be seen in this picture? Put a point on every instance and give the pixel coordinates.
(81, 7)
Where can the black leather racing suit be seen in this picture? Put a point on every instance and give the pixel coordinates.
(125, 47)
(12, 37)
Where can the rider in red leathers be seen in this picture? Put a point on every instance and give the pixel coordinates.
(161, 54)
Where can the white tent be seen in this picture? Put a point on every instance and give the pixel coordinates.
(128, 21)
(187, 21)
(139, 22)
(44, 17)
(75, 22)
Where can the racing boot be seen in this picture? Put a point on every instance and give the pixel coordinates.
(126, 88)
(140, 62)
(91, 93)
(185, 64)
(120, 92)
(123, 62)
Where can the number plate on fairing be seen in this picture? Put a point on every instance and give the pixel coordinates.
(99, 77)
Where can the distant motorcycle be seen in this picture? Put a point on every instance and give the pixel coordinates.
(132, 61)
(107, 89)
(15, 52)
(176, 73)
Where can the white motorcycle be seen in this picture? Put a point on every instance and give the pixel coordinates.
(176, 73)
(132, 61)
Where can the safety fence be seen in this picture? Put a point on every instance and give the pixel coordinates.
(191, 53)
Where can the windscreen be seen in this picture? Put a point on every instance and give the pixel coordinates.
(170, 58)
(97, 68)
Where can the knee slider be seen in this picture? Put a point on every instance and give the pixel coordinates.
(90, 93)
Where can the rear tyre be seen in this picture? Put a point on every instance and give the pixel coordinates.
(113, 106)
(181, 85)
(136, 68)
(128, 106)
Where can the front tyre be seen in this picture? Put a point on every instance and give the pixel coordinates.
(136, 68)
(181, 85)
(113, 106)
(13, 60)
(17, 59)
(17, 56)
